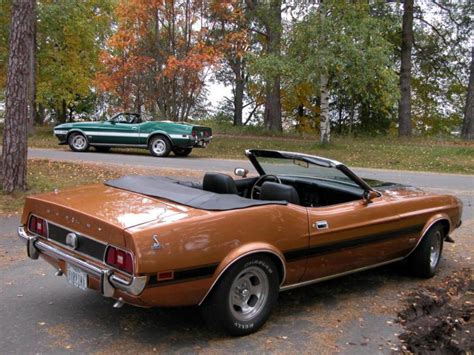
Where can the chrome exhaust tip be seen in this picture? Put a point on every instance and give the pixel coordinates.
(119, 304)
(59, 273)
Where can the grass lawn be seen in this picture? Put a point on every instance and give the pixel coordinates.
(422, 154)
(46, 175)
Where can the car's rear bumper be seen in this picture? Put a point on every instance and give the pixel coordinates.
(109, 281)
(202, 142)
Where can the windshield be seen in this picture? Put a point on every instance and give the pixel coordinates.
(302, 168)
(296, 167)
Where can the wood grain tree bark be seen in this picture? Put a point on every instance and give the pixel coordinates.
(268, 14)
(468, 123)
(273, 27)
(238, 68)
(404, 106)
(32, 74)
(325, 124)
(14, 153)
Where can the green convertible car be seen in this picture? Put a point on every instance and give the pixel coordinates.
(128, 130)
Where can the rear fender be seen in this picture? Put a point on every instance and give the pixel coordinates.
(158, 133)
(241, 252)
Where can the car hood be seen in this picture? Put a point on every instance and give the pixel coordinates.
(399, 190)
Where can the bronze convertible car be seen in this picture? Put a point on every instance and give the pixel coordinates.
(232, 245)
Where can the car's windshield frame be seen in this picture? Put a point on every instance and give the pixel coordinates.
(137, 116)
(254, 154)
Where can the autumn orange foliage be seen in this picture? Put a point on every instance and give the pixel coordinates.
(158, 57)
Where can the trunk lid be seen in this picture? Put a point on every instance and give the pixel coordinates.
(201, 132)
(102, 212)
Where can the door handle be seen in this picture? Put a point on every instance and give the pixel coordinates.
(321, 225)
(134, 128)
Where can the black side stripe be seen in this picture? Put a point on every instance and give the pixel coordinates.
(293, 255)
(197, 273)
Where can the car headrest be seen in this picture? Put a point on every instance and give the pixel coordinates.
(219, 183)
(275, 191)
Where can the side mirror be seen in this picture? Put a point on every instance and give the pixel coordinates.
(370, 195)
(241, 172)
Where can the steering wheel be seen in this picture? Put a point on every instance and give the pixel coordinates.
(257, 187)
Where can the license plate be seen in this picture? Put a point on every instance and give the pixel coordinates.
(76, 277)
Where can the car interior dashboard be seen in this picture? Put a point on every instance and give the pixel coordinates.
(311, 192)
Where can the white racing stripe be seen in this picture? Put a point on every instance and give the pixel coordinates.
(113, 134)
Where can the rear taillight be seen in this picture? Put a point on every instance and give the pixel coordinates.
(206, 134)
(120, 259)
(38, 226)
(194, 134)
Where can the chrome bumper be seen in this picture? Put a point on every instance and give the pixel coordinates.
(109, 282)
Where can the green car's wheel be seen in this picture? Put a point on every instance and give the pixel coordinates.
(78, 142)
(244, 297)
(159, 146)
(182, 152)
(102, 149)
(424, 261)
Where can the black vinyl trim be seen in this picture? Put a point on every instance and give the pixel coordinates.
(85, 246)
(200, 272)
(297, 254)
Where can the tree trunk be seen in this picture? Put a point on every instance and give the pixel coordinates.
(468, 123)
(41, 114)
(62, 112)
(404, 107)
(325, 124)
(32, 74)
(272, 113)
(238, 94)
(15, 146)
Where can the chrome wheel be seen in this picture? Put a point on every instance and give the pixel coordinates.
(249, 293)
(159, 146)
(79, 142)
(435, 249)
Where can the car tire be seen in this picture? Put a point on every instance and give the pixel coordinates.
(424, 261)
(78, 142)
(102, 149)
(244, 297)
(159, 146)
(182, 152)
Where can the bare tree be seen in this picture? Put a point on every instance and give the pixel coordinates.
(14, 153)
(468, 123)
(404, 107)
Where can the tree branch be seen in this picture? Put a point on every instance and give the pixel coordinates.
(434, 29)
